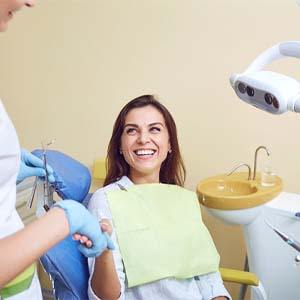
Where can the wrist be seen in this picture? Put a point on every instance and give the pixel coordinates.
(60, 215)
(105, 257)
(70, 210)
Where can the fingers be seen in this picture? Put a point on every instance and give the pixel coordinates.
(38, 172)
(34, 161)
(110, 244)
(76, 236)
(83, 240)
(34, 171)
(98, 248)
(31, 159)
(51, 178)
(34, 166)
(107, 229)
(106, 226)
(89, 244)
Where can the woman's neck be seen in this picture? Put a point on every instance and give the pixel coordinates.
(138, 178)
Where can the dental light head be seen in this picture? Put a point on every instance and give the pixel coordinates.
(272, 92)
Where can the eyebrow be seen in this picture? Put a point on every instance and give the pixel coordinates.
(151, 124)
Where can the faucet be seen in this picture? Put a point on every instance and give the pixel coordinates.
(241, 165)
(255, 159)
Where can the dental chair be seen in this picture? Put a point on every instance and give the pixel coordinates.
(66, 266)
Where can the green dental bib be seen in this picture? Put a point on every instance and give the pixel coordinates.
(161, 234)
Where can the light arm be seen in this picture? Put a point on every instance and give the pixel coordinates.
(279, 51)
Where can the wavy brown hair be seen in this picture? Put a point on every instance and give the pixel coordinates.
(172, 170)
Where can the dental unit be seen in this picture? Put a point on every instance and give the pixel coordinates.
(268, 256)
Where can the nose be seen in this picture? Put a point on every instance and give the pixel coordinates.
(144, 137)
(30, 3)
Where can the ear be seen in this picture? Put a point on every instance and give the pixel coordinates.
(169, 147)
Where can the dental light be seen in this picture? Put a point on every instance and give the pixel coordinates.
(272, 92)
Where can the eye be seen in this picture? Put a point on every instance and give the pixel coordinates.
(130, 130)
(155, 129)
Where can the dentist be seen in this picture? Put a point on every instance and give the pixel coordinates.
(20, 247)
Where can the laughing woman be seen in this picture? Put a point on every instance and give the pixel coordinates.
(162, 251)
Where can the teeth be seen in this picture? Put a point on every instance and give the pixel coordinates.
(144, 152)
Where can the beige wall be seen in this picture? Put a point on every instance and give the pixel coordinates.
(68, 66)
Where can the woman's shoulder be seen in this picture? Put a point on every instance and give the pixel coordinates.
(100, 195)
(123, 182)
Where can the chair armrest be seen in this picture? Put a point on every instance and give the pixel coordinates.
(237, 276)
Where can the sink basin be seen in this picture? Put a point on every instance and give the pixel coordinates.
(236, 192)
(226, 188)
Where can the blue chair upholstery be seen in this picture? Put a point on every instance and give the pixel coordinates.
(68, 270)
(72, 178)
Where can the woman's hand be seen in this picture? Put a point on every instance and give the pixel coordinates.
(83, 240)
(106, 226)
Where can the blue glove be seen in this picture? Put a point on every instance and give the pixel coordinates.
(82, 222)
(33, 166)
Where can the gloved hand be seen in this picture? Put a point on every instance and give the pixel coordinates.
(82, 222)
(33, 166)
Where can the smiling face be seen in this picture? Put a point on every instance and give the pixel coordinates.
(145, 143)
(8, 8)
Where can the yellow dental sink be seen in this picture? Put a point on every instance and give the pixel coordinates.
(236, 192)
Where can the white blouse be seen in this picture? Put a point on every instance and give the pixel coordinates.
(204, 287)
(10, 221)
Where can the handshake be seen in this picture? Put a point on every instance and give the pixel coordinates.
(85, 228)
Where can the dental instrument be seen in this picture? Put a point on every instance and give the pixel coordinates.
(270, 91)
(33, 191)
(289, 240)
(43, 186)
(48, 188)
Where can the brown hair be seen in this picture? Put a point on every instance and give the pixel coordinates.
(172, 169)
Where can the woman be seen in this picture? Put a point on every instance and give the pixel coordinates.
(68, 217)
(143, 149)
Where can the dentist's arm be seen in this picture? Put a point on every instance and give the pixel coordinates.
(21, 249)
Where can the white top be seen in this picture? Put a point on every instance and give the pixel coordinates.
(10, 221)
(204, 287)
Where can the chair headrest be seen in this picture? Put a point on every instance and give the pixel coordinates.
(72, 178)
